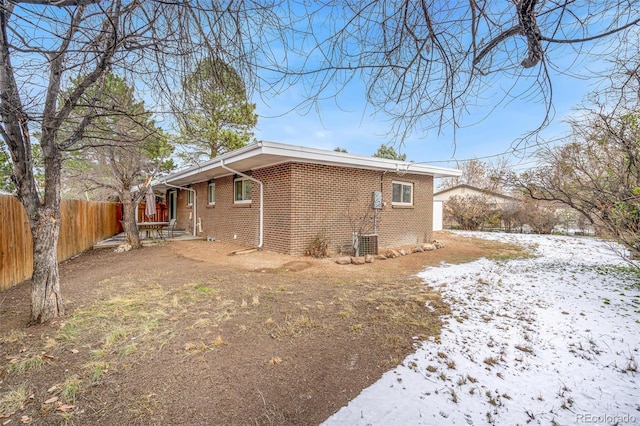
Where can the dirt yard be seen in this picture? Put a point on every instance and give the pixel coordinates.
(185, 333)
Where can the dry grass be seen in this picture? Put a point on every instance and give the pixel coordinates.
(13, 400)
(347, 310)
(506, 251)
(196, 347)
(490, 361)
(201, 323)
(525, 349)
(34, 362)
(120, 327)
(275, 361)
(13, 337)
(294, 327)
(404, 305)
(70, 389)
(133, 318)
(96, 370)
(142, 407)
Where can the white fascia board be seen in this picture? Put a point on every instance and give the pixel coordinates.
(284, 153)
(319, 156)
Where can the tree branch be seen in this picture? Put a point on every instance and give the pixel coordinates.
(58, 3)
(494, 42)
(595, 37)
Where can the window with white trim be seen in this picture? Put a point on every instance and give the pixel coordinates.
(189, 197)
(211, 199)
(402, 193)
(242, 190)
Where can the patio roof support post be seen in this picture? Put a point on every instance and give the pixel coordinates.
(194, 202)
(261, 228)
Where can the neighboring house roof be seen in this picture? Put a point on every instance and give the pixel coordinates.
(454, 189)
(265, 154)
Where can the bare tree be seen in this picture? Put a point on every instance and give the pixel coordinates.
(362, 221)
(426, 62)
(597, 172)
(44, 43)
(510, 213)
(123, 151)
(485, 175)
(470, 212)
(541, 216)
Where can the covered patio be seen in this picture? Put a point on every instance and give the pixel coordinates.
(148, 238)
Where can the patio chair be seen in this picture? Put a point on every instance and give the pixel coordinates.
(171, 227)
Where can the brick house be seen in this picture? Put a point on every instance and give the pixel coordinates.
(280, 197)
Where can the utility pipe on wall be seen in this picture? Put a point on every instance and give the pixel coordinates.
(194, 202)
(261, 229)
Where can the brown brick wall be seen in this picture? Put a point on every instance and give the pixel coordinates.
(401, 225)
(224, 220)
(338, 201)
(329, 199)
(277, 206)
(301, 200)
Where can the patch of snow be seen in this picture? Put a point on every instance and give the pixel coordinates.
(552, 339)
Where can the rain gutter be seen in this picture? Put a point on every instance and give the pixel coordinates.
(261, 237)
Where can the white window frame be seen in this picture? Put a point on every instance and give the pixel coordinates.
(244, 182)
(189, 197)
(211, 200)
(402, 202)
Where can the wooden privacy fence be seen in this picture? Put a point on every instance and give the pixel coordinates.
(83, 223)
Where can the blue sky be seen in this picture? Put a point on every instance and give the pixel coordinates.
(349, 123)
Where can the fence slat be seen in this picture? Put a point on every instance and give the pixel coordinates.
(83, 223)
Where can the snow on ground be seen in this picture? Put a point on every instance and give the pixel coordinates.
(552, 339)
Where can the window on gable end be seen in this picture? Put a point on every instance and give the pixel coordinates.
(402, 193)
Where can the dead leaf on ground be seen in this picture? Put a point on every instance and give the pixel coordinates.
(65, 408)
(51, 400)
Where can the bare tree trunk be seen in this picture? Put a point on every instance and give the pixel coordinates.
(46, 298)
(44, 221)
(129, 220)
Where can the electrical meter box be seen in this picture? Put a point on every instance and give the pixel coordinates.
(376, 197)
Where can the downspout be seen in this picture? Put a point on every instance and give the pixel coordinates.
(261, 229)
(194, 203)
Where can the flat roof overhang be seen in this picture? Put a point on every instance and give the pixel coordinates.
(266, 154)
